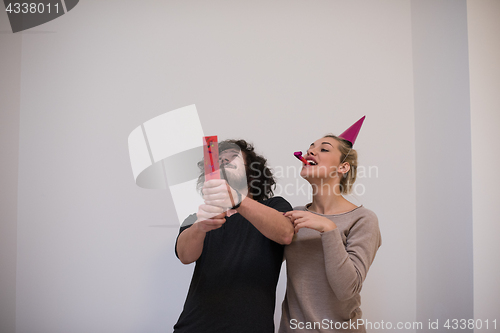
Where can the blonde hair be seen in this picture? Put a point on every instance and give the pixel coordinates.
(348, 155)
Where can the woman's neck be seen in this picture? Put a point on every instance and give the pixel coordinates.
(328, 200)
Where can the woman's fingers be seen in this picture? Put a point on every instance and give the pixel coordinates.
(299, 220)
(293, 215)
(299, 226)
(296, 213)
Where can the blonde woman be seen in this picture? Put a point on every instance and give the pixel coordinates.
(334, 245)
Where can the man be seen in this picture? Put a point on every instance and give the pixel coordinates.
(239, 252)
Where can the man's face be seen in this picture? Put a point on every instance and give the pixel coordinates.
(234, 164)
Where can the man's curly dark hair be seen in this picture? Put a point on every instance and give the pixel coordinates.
(260, 178)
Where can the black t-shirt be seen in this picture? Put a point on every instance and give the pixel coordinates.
(233, 288)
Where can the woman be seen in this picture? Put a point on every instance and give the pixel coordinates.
(334, 245)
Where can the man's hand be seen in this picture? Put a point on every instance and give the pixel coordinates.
(217, 192)
(190, 241)
(209, 218)
(303, 219)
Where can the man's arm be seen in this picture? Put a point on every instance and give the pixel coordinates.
(270, 222)
(190, 242)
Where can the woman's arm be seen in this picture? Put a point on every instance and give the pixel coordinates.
(347, 265)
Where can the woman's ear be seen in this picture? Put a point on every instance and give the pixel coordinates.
(344, 169)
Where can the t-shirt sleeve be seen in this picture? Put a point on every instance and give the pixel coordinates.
(347, 265)
(186, 224)
(279, 203)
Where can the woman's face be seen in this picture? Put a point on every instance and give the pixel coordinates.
(324, 155)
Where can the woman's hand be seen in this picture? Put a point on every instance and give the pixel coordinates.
(303, 219)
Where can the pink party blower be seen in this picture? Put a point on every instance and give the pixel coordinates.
(298, 154)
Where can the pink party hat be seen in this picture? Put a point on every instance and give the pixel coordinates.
(351, 133)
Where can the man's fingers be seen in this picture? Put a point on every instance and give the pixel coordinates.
(211, 224)
(206, 212)
(211, 209)
(218, 203)
(216, 196)
(214, 182)
(220, 216)
(215, 191)
(214, 221)
(213, 185)
(231, 212)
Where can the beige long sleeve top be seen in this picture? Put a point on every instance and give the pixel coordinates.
(325, 273)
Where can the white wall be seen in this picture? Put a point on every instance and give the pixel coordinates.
(95, 252)
(443, 162)
(88, 256)
(484, 52)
